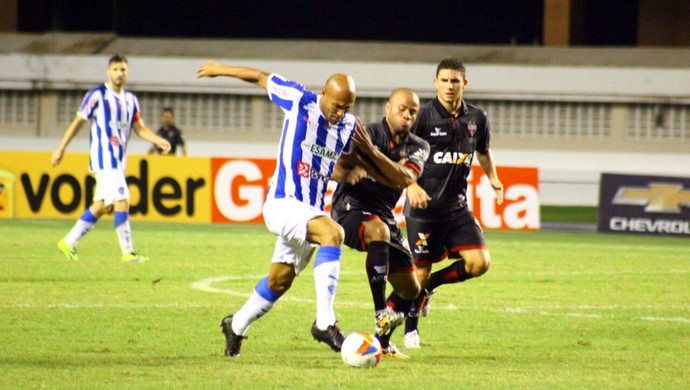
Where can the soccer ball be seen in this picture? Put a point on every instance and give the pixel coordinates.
(361, 350)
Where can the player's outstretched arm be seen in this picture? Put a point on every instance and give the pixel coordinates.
(250, 75)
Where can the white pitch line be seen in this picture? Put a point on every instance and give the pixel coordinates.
(667, 319)
(207, 286)
(600, 245)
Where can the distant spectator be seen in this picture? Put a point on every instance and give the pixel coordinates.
(169, 131)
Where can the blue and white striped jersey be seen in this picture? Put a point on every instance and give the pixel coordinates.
(111, 118)
(309, 144)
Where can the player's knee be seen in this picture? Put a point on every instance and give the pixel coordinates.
(479, 266)
(325, 231)
(100, 210)
(405, 285)
(375, 230)
(336, 236)
(280, 284)
(333, 236)
(409, 293)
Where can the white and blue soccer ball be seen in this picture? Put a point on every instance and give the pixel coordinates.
(361, 350)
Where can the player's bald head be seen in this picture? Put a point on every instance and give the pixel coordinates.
(338, 96)
(341, 86)
(403, 93)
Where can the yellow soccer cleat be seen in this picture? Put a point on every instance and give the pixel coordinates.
(134, 258)
(70, 252)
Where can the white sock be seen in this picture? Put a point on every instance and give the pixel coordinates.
(78, 231)
(124, 232)
(326, 274)
(255, 307)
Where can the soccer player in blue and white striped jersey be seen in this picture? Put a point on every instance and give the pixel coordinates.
(112, 113)
(317, 132)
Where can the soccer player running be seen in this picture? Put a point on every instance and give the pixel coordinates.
(113, 113)
(443, 226)
(365, 210)
(317, 130)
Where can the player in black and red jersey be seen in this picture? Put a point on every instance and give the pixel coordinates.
(365, 210)
(441, 225)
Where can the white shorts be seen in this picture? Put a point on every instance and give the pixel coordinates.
(111, 186)
(287, 218)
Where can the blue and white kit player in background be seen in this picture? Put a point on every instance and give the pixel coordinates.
(113, 113)
(314, 143)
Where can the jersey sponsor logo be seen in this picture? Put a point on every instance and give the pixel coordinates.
(320, 151)
(306, 171)
(303, 169)
(280, 91)
(656, 197)
(453, 158)
(472, 128)
(93, 101)
(420, 155)
(437, 132)
(318, 175)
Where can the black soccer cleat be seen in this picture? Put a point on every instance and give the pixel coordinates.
(332, 336)
(233, 342)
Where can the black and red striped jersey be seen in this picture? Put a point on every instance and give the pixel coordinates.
(453, 142)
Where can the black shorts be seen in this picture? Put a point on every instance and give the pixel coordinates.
(399, 257)
(432, 242)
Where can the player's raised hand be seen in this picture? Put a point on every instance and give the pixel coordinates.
(362, 138)
(417, 197)
(356, 174)
(57, 157)
(208, 69)
(498, 189)
(164, 146)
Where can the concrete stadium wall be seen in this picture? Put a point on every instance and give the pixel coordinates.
(566, 177)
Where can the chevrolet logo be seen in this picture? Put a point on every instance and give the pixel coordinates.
(657, 197)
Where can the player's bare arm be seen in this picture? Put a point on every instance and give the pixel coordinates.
(380, 167)
(344, 172)
(250, 75)
(486, 160)
(71, 131)
(417, 197)
(148, 135)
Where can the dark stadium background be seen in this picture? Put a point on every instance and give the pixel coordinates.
(597, 22)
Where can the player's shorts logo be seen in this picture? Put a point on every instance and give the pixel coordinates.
(422, 239)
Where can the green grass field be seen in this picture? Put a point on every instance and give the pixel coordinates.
(556, 310)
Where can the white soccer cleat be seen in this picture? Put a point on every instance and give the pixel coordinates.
(411, 340)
